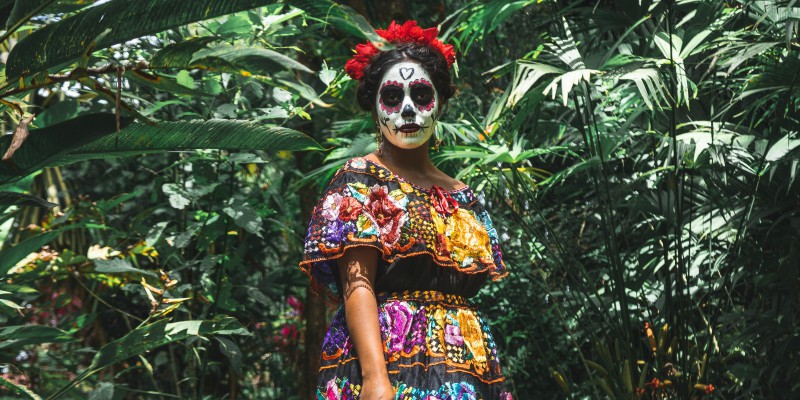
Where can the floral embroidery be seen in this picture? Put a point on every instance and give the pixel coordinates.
(334, 392)
(467, 238)
(339, 389)
(452, 335)
(386, 213)
(330, 207)
(358, 163)
(399, 323)
(366, 204)
(448, 391)
(337, 231)
(473, 336)
(406, 188)
(429, 330)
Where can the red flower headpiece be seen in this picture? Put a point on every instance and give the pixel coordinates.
(408, 32)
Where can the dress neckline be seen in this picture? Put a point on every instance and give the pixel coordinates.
(401, 179)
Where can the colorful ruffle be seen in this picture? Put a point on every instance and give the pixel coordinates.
(365, 204)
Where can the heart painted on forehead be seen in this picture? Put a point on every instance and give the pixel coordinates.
(406, 73)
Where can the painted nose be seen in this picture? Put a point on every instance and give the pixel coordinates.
(408, 111)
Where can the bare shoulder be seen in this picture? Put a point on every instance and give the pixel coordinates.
(448, 182)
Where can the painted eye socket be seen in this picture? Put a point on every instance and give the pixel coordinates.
(422, 94)
(391, 95)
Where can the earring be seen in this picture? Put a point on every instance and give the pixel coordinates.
(436, 141)
(379, 140)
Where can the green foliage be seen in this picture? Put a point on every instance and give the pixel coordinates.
(653, 205)
(639, 159)
(107, 24)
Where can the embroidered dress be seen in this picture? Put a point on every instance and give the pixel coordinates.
(437, 248)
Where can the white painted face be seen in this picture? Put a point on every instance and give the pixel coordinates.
(407, 105)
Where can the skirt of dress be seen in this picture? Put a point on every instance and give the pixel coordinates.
(437, 346)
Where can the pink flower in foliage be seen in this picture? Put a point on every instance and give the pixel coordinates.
(290, 332)
(295, 304)
(287, 337)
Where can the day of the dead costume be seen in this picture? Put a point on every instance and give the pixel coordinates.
(437, 248)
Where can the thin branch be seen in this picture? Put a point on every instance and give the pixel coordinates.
(75, 75)
(91, 293)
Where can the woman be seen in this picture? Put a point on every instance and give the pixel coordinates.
(403, 245)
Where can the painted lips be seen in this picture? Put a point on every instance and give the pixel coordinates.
(409, 128)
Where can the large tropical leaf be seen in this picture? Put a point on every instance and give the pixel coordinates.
(340, 16)
(526, 75)
(195, 53)
(24, 200)
(25, 9)
(108, 24)
(90, 137)
(44, 145)
(252, 60)
(19, 390)
(16, 337)
(139, 139)
(180, 54)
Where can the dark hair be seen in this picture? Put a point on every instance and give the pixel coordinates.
(431, 59)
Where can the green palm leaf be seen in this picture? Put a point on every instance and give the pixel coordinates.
(190, 135)
(90, 137)
(108, 24)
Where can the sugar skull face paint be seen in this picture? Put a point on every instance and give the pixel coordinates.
(407, 105)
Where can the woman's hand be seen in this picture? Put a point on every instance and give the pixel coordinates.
(376, 389)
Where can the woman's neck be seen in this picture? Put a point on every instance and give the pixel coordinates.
(416, 159)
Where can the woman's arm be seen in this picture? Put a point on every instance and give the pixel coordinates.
(357, 272)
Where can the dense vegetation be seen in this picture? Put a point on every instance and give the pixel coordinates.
(638, 156)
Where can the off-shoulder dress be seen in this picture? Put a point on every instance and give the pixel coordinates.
(437, 247)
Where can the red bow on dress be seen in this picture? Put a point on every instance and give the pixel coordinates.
(442, 201)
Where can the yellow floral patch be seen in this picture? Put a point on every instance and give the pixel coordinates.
(473, 336)
(467, 238)
(406, 188)
(438, 223)
(397, 195)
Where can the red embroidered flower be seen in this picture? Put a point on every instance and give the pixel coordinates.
(408, 32)
(442, 201)
(349, 209)
(385, 213)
